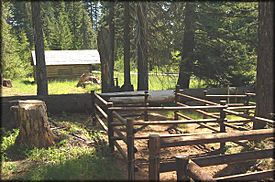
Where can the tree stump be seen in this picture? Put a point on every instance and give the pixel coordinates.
(34, 130)
(6, 83)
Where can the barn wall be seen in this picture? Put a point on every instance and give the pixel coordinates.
(67, 71)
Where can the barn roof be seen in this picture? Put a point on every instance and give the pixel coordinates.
(69, 57)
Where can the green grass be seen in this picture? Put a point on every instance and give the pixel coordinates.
(25, 86)
(66, 160)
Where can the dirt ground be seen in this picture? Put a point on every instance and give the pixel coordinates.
(168, 153)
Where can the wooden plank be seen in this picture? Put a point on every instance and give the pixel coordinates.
(140, 137)
(183, 116)
(204, 112)
(197, 173)
(99, 98)
(254, 176)
(269, 121)
(121, 151)
(101, 111)
(242, 107)
(227, 96)
(236, 127)
(196, 121)
(166, 108)
(154, 157)
(233, 158)
(217, 137)
(101, 123)
(250, 93)
(197, 99)
(125, 95)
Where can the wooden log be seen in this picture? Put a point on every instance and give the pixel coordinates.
(181, 168)
(154, 157)
(102, 124)
(184, 116)
(93, 108)
(233, 158)
(121, 151)
(236, 127)
(217, 137)
(146, 137)
(165, 108)
(176, 102)
(242, 107)
(254, 176)
(222, 125)
(227, 96)
(100, 99)
(105, 115)
(197, 173)
(130, 150)
(194, 121)
(268, 121)
(6, 83)
(34, 130)
(197, 99)
(146, 104)
(110, 127)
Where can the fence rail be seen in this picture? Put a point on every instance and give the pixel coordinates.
(119, 127)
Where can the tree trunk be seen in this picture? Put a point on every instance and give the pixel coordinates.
(34, 130)
(41, 74)
(127, 77)
(187, 46)
(105, 42)
(265, 64)
(142, 47)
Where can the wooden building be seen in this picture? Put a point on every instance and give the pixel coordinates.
(67, 64)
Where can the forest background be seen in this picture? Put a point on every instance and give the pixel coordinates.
(225, 36)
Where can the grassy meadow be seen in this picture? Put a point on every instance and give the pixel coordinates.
(26, 86)
(69, 159)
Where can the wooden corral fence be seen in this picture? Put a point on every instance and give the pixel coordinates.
(114, 119)
(191, 168)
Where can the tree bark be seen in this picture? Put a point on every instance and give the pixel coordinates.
(142, 46)
(41, 74)
(105, 42)
(127, 77)
(265, 64)
(188, 44)
(34, 130)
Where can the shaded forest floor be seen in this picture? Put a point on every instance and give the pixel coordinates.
(82, 153)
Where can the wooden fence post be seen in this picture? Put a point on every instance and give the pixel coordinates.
(181, 168)
(204, 93)
(154, 157)
(130, 150)
(146, 103)
(222, 126)
(110, 127)
(246, 103)
(93, 108)
(176, 117)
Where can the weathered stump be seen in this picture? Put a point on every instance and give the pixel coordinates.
(6, 83)
(34, 130)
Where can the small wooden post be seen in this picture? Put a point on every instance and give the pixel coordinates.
(181, 167)
(154, 157)
(204, 93)
(146, 103)
(176, 117)
(130, 150)
(110, 127)
(93, 108)
(222, 126)
(246, 103)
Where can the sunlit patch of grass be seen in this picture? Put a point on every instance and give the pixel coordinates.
(64, 160)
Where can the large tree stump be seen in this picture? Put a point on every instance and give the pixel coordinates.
(34, 130)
